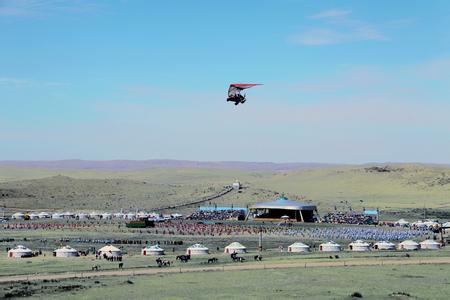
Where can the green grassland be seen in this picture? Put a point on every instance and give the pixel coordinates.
(402, 187)
(380, 282)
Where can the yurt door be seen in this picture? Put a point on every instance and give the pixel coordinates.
(145, 252)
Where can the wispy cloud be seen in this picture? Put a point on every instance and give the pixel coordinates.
(44, 7)
(26, 83)
(336, 27)
(332, 13)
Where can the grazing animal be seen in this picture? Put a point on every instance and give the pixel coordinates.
(212, 260)
(336, 256)
(120, 265)
(183, 258)
(257, 257)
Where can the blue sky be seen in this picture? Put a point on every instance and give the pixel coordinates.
(344, 81)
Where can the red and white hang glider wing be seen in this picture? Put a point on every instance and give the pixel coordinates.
(235, 88)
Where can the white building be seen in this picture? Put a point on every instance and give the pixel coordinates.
(330, 247)
(402, 222)
(384, 245)
(152, 250)
(408, 245)
(197, 249)
(66, 251)
(82, 216)
(430, 244)
(106, 216)
(57, 216)
(298, 247)
(20, 251)
(44, 215)
(236, 185)
(359, 246)
(33, 216)
(235, 247)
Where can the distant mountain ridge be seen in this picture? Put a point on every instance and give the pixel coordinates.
(130, 165)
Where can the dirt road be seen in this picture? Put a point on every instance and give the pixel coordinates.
(230, 267)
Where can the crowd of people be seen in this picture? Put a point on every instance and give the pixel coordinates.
(348, 218)
(217, 215)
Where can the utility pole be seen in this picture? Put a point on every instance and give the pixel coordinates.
(260, 238)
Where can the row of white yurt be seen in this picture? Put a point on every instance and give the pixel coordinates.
(110, 251)
(66, 251)
(152, 250)
(20, 251)
(235, 247)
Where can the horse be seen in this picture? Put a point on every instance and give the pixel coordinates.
(120, 265)
(257, 257)
(183, 258)
(212, 260)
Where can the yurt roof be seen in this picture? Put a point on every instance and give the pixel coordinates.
(20, 248)
(109, 248)
(236, 245)
(430, 242)
(330, 243)
(154, 247)
(409, 242)
(384, 243)
(198, 246)
(299, 245)
(360, 243)
(66, 249)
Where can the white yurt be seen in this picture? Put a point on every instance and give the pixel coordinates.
(18, 216)
(33, 216)
(384, 245)
(298, 247)
(110, 250)
(44, 215)
(118, 215)
(152, 250)
(20, 251)
(197, 249)
(235, 247)
(57, 216)
(68, 215)
(401, 222)
(130, 216)
(408, 245)
(330, 247)
(66, 251)
(82, 216)
(94, 215)
(430, 244)
(359, 246)
(106, 216)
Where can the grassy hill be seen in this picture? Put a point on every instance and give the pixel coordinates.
(390, 188)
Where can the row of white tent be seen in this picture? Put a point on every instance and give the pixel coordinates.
(421, 224)
(235, 247)
(95, 215)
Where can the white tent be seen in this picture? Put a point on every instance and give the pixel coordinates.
(197, 249)
(384, 245)
(110, 250)
(18, 216)
(118, 215)
(82, 216)
(152, 250)
(130, 216)
(401, 222)
(68, 215)
(235, 247)
(408, 245)
(106, 216)
(20, 251)
(430, 244)
(44, 215)
(359, 246)
(65, 251)
(330, 247)
(298, 247)
(34, 216)
(57, 216)
(94, 215)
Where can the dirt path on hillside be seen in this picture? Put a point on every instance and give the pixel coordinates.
(229, 267)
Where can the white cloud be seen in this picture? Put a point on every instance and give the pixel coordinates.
(332, 13)
(336, 27)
